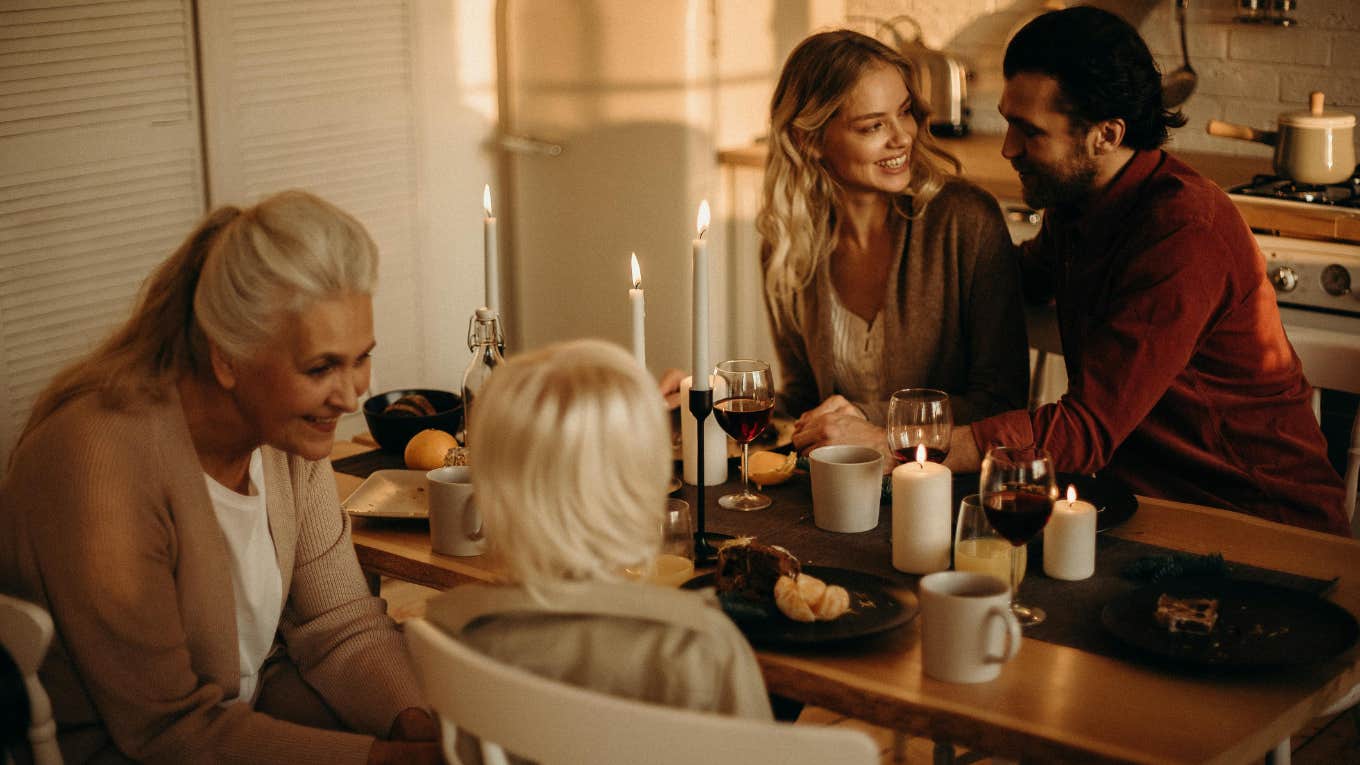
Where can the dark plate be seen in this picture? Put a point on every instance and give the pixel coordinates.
(872, 610)
(1114, 502)
(1259, 625)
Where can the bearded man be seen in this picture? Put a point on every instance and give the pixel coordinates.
(1182, 382)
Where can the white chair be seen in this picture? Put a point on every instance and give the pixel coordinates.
(26, 632)
(551, 722)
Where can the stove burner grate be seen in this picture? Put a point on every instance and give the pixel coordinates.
(1344, 194)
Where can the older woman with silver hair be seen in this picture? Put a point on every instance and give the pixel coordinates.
(883, 269)
(170, 504)
(570, 466)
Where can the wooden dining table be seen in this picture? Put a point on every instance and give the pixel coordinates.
(1052, 703)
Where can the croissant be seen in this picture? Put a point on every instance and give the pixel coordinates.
(808, 599)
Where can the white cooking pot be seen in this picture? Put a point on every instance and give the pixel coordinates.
(1314, 146)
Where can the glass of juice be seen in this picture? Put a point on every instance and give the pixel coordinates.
(977, 545)
(675, 565)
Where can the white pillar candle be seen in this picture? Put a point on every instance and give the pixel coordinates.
(715, 443)
(490, 253)
(701, 366)
(922, 539)
(639, 305)
(1070, 539)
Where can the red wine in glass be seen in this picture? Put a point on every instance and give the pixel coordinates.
(1019, 513)
(908, 454)
(744, 418)
(744, 412)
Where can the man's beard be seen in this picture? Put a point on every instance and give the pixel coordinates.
(1067, 184)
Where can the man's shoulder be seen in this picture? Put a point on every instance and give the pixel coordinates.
(1179, 195)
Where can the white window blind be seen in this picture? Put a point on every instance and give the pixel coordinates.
(100, 175)
(320, 95)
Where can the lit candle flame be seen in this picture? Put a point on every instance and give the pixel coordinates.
(1071, 494)
(921, 455)
(637, 274)
(704, 218)
(486, 199)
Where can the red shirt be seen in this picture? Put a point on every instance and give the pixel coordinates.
(1181, 380)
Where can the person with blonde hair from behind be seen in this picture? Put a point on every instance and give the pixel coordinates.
(171, 504)
(883, 269)
(570, 465)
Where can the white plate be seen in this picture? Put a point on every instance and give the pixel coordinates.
(390, 494)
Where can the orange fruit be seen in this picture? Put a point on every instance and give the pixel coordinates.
(426, 449)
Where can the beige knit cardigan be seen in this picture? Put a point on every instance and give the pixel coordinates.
(106, 522)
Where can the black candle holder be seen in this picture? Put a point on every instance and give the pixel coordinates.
(705, 552)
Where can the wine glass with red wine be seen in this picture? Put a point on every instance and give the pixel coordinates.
(743, 410)
(1018, 487)
(919, 417)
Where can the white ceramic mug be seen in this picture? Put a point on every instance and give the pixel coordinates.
(455, 524)
(847, 487)
(967, 628)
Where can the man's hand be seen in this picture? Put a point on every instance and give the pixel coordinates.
(964, 456)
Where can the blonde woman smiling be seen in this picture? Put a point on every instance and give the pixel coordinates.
(883, 269)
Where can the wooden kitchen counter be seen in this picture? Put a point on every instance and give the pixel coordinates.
(984, 165)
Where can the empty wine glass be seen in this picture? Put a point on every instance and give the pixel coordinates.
(919, 417)
(1017, 488)
(744, 412)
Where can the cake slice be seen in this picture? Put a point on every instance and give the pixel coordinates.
(748, 569)
(1195, 616)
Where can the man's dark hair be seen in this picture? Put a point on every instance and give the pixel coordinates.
(1103, 68)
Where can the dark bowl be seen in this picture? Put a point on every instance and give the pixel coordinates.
(392, 431)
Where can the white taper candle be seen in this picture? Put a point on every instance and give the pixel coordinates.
(490, 252)
(701, 366)
(639, 305)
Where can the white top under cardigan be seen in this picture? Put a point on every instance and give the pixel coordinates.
(255, 576)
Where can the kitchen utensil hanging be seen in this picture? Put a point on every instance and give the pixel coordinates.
(1178, 85)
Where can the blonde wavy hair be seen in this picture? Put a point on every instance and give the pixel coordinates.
(797, 220)
(571, 457)
(230, 283)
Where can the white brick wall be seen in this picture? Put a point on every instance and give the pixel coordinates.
(1247, 73)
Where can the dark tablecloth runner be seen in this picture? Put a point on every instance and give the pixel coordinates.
(364, 463)
(1073, 607)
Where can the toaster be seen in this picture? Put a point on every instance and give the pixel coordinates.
(943, 81)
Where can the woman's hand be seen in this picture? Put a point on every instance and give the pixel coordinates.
(414, 724)
(670, 386)
(835, 404)
(843, 429)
